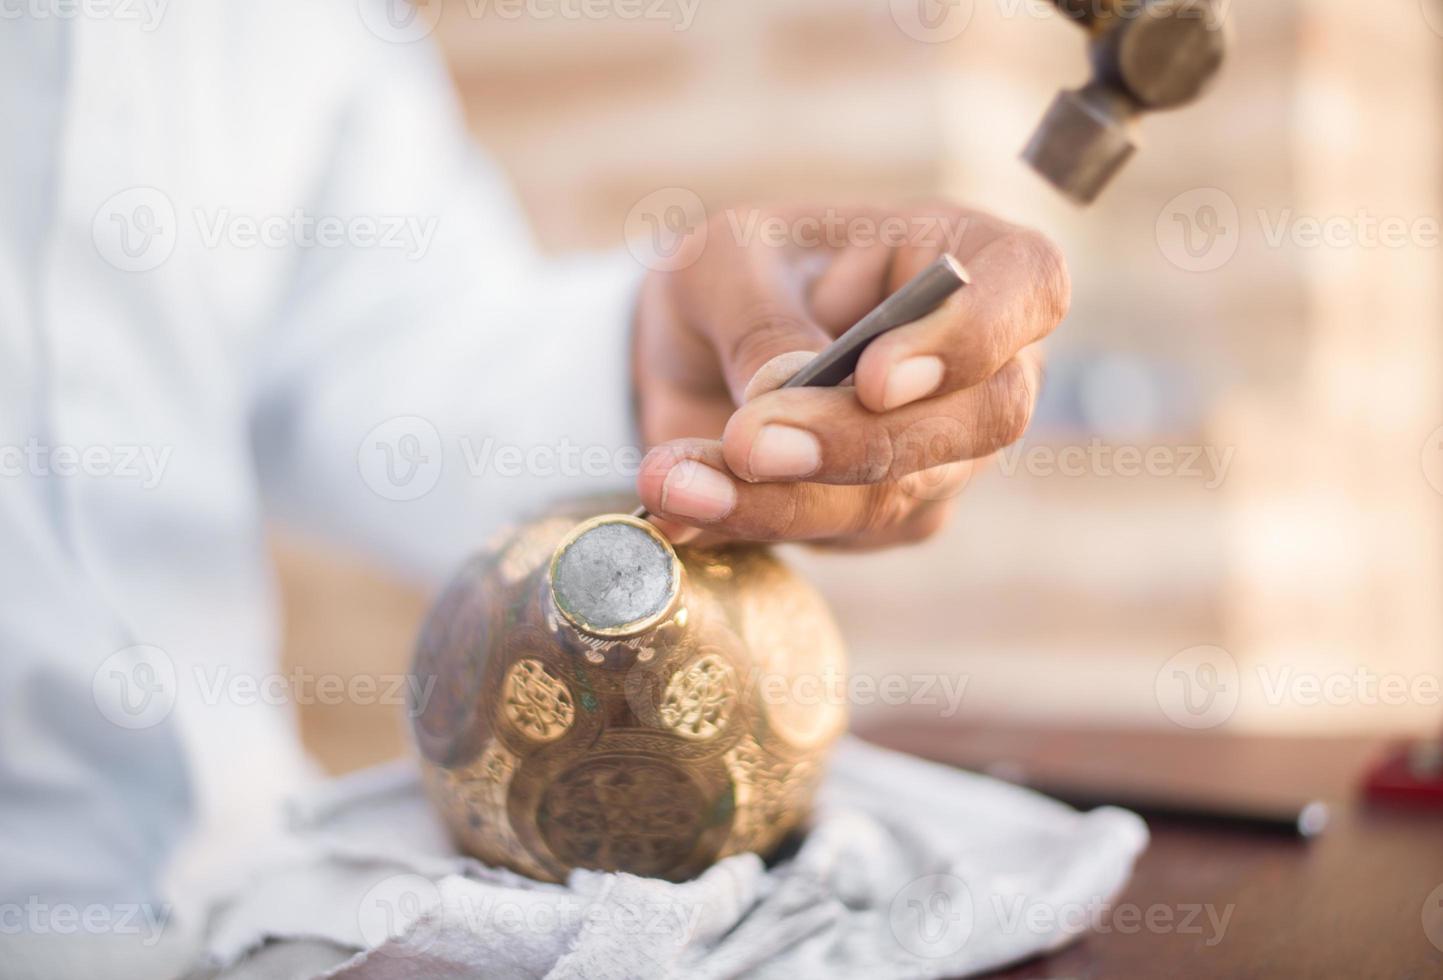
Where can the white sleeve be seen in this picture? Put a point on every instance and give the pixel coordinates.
(432, 377)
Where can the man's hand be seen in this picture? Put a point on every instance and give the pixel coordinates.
(863, 466)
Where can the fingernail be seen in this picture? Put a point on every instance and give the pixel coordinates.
(911, 380)
(676, 533)
(684, 536)
(697, 491)
(781, 451)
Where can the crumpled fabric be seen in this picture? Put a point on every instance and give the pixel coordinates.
(908, 869)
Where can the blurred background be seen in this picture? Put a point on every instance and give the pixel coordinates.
(1238, 464)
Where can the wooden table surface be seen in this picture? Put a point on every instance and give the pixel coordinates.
(1349, 904)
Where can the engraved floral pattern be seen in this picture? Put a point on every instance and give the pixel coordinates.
(699, 699)
(536, 702)
(640, 814)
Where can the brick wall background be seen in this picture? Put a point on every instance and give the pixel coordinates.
(1313, 370)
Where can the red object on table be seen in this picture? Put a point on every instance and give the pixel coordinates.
(1410, 774)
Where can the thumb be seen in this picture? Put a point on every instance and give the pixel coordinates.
(759, 323)
(775, 373)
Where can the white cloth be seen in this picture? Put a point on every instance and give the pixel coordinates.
(237, 242)
(910, 869)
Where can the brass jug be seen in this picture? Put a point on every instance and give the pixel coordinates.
(598, 699)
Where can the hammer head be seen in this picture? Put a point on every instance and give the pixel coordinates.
(1146, 55)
